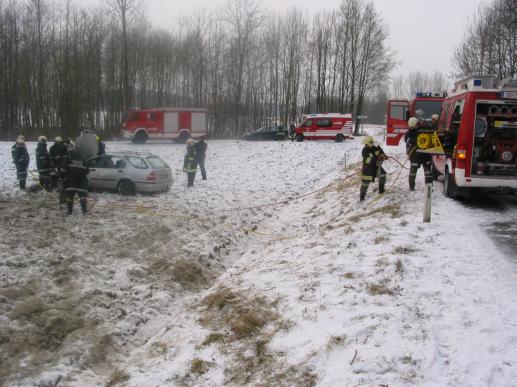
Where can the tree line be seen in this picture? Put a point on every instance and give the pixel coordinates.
(67, 67)
(490, 42)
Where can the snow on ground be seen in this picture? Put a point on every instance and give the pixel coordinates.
(321, 290)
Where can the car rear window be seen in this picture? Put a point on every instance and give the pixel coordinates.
(157, 162)
(137, 162)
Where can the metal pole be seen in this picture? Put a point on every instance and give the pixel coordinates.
(427, 202)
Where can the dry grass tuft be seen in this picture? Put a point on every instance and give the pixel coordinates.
(405, 250)
(394, 210)
(199, 366)
(246, 323)
(220, 298)
(189, 273)
(118, 377)
(213, 338)
(348, 275)
(399, 268)
(379, 289)
(335, 341)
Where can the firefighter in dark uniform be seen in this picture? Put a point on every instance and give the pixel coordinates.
(59, 157)
(201, 153)
(44, 164)
(417, 159)
(373, 156)
(21, 160)
(434, 122)
(101, 147)
(190, 162)
(76, 181)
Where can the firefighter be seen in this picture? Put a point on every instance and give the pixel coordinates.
(76, 180)
(292, 130)
(21, 160)
(44, 164)
(190, 162)
(201, 153)
(417, 159)
(373, 156)
(434, 122)
(101, 149)
(59, 156)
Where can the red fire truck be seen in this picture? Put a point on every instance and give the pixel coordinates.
(325, 126)
(478, 128)
(422, 106)
(177, 124)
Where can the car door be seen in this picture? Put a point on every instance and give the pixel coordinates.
(396, 121)
(112, 171)
(94, 180)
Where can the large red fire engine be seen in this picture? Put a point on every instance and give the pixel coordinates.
(176, 124)
(478, 128)
(423, 106)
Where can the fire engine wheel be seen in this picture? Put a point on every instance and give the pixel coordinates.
(140, 138)
(340, 138)
(126, 188)
(299, 138)
(449, 186)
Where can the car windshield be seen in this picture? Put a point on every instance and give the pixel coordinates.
(157, 162)
(137, 162)
(428, 107)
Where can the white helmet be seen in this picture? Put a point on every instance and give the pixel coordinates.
(413, 121)
(190, 141)
(435, 117)
(20, 140)
(368, 140)
(58, 139)
(42, 139)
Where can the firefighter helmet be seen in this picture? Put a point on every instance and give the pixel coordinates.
(368, 140)
(42, 139)
(435, 117)
(58, 139)
(412, 122)
(190, 141)
(20, 140)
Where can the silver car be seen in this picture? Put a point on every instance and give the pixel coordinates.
(129, 173)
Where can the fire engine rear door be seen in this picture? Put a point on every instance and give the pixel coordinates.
(396, 121)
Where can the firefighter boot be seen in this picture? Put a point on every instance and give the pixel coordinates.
(70, 206)
(83, 205)
(22, 184)
(381, 189)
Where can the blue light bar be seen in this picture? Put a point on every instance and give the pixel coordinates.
(477, 82)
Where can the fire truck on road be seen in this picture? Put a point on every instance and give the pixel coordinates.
(478, 125)
(177, 124)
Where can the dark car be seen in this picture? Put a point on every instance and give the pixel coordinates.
(267, 133)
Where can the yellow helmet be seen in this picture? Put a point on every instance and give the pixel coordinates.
(368, 140)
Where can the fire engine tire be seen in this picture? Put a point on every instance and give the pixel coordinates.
(126, 188)
(140, 138)
(449, 186)
(299, 138)
(340, 138)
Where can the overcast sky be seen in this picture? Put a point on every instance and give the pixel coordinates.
(423, 33)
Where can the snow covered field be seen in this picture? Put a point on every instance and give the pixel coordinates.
(186, 289)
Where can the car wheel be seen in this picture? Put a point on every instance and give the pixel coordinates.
(126, 188)
(449, 186)
(340, 138)
(299, 138)
(280, 136)
(140, 137)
